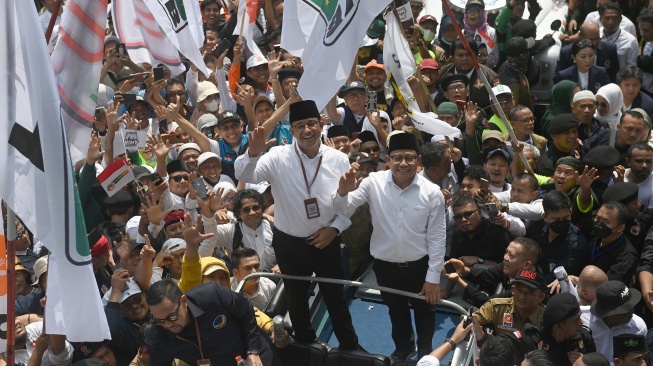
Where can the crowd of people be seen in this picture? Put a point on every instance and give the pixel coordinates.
(544, 232)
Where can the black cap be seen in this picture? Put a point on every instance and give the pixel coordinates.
(366, 136)
(624, 192)
(401, 141)
(524, 28)
(628, 343)
(613, 298)
(450, 79)
(602, 157)
(226, 116)
(531, 279)
(176, 166)
(563, 122)
(500, 152)
(122, 199)
(289, 73)
(572, 162)
(337, 130)
(246, 80)
(84, 350)
(364, 158)
(351, 86)
(303, 110)
(140, 172)
(518, 45)
(475, 2)
(560, 308)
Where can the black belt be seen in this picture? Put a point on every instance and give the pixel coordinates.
(304, 239)
(403, 264)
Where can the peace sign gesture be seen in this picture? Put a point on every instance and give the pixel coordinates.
(258, 142)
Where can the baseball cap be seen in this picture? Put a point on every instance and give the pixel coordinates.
(141, 171)
(374, 65)
(228, 116)
(204, 89)
(560, 308)
(262, 99)
(111, 38)
(493, 134)
(40, 267)
(206, 156)
(426, 18)
(498, 152)
(475, 3)
(256, 60)
(376, 29)
(351, 86)
(172, 245)
(501, 89)
(429, 63)
(518, 45)
(207, 120)
(131, 288)
(260, 187)
(613, 297)
(186, 146)
(531, 279)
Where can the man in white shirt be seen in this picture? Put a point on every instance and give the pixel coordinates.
(258, 290)
(625, 24)
(611, 314)
(627, 46)
(408, 239)
(303, 176)
(640, 160)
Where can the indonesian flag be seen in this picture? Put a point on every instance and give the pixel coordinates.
(38, 181)
(77, 60)
(138, 30)
(116, 176)
(400, 65)
(247, 14)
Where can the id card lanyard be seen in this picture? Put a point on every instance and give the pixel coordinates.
(310, 204)
(203, 361)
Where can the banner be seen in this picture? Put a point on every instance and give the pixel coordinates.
(138, 30)
(135, 140)
(326, 36)
(180, 21)
(247, 13)
(38, 181)
(400, 65)
(116, 176)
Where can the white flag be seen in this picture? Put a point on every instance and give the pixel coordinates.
(326, 36)
(400, 65)
(77, 60)
(247, 12)
(139, 31)
(37, 180)
(179, 20)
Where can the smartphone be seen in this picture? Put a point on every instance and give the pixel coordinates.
(200, 187)
(224, 45)
(128, 98)
(467, 320)
(449, 268)
(371, 101)
(158, 73)
(172, 139)
(293, 89)
(277, 47)
(121, 49)
(156, 179)
(100, 113)
(492, 211)
(462, 105)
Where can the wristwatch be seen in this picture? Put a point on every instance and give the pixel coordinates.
(252, 352)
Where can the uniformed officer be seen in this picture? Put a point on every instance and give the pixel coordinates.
(506, 315)
(561, 333)
(629, 350)
(638, 223)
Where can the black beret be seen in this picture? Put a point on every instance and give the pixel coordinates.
(450, 79)
(303, 110)
(122, 199)
(366, 136)
(572, 162)
(563, 122)
(402, 141)
(337, 130)
(560, 308)
(289, 73)
(518, 45)
(602, 157)
(628, 343)
(176, 166)
(624, 192)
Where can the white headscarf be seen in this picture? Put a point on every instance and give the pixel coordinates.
(615, 98)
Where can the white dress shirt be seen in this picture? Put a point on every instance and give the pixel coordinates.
(626, 24)
(262, 296)
(627, 47)
(408, 224)
(645, 191)
(281, 167)
(259, 239)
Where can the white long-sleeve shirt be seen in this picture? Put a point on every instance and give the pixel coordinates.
(408, 223)
(281, 167)
(626, 24)
(627, 47)
(259, 239)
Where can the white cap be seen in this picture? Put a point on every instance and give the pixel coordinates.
(131, 288)
(172, 127)
(207, 120)
(501, 89)
(368, 42)
(584, 94)
(173, 244)
(186, 146)
(206, 156)
(437, 138)
(131, 229)
(204, 89)
(40, 267)
(228, 187)
(256, 60)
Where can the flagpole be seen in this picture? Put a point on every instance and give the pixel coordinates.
(53, 19)
(481, 75)
(242, 22)
(11, 287)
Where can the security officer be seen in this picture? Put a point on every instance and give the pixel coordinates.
(629, 350)
(638, 223)
(561, 333)
(506, 315)
(605, 159)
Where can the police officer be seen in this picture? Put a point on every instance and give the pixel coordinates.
(638, 223)
(561, 333)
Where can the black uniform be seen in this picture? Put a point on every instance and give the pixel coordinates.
(530, 338)
(618, 260)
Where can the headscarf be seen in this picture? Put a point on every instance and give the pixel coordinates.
(615, 97)
(444, 24)
(469, 31)
(561, 103)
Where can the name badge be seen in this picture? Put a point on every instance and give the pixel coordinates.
(203, 362)
(312, 209)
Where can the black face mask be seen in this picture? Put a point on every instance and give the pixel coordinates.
(601, 230)
(560, 227)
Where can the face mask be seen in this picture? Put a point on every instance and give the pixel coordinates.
(428, 35)
(601, 230)
(560, 227)
(212, 106)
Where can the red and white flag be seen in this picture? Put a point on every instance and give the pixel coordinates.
(117, 175)
(77, 60)
(247, 14)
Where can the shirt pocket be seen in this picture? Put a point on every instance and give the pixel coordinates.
(417, 217)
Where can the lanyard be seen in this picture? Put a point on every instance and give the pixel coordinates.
(199, 340)
(597, 252)
(319, 164)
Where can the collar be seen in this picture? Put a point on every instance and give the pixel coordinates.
(469, 74)
(388, 179)
(302, 154)
(246, 228)
(194, 309)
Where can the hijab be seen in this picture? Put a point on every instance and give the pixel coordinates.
(613, 94)
(469, 30)
(561, 103)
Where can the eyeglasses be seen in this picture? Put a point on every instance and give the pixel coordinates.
(177, 258)
(473, 11)
(397, 159)
(457, 87)
(371, 149)
(179, 178)
(467, 215)
(255, 208)
(302, 126)
(355, 95)
(131, 301)
(585, 43)
(603, 104)
(170, 318)
(525, 120)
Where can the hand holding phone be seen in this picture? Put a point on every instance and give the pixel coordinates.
(158, 73)
(224, 45)
(200, 187)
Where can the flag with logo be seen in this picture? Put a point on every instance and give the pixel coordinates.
(326, 36)
(247, 13)
(181, 23)
(38, 182)
(400, 65)
(116, 176)
(138, 30)
(77, 60)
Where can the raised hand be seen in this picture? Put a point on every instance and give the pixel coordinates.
(374, 118)
(588, 177)
(124, 248)
(156, 144)
(258, 142)
(348, 181)
(118, 280)
(94, 153)
(147, 252)
(154, 210)
(217, 202)
(112, 115)
(192, 235)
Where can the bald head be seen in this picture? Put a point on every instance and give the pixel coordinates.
(589, 28)
(590, 278)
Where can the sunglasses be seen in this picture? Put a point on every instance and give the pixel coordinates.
(371, 149)
(466, 215)
(170, 318)
(179, 178)
(255, 208)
